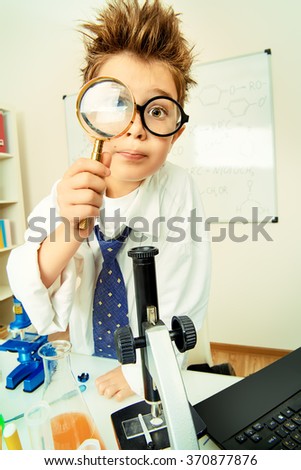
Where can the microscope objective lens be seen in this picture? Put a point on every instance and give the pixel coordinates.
(156, 421)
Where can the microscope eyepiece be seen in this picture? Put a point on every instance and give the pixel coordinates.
(143, 252)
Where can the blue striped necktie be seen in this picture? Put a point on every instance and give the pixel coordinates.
(110, 308)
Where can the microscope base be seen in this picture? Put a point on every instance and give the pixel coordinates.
(30, 370)
(32, 374)
(128, 417)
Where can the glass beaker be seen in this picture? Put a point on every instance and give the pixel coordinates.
(71, 421)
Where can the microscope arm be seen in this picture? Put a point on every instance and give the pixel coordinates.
(162, 365)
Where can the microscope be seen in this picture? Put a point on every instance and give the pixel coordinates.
(26, 344)
(165, 419)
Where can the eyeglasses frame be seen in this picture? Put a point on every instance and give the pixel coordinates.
(141, 109)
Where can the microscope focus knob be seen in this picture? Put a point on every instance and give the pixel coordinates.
(125, 345)
(185, 337)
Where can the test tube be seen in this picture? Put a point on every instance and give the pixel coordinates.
(37, 419)
(90, 444)
(1, 429)
(11, 437)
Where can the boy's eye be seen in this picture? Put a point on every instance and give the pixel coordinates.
(121, 103)
(157, 112)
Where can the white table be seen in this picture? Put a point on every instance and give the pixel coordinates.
(198, 386)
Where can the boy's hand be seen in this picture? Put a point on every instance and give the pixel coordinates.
(81, 190)
(113, 385)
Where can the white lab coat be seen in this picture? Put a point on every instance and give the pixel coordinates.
(165, 201)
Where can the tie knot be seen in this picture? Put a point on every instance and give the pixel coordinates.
(110, 248)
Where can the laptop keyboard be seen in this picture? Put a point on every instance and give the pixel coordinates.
(278, 429)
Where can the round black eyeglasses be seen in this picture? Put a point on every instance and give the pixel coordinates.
(162, 116)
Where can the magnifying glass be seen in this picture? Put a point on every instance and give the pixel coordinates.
(106, 109)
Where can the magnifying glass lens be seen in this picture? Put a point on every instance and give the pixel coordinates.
(106, 108)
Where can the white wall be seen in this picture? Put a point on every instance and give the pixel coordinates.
(255, 295)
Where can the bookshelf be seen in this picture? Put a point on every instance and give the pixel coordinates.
(11, 206)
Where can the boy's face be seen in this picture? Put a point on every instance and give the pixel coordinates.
(137, 154)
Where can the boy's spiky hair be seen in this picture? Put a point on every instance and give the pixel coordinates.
(150, 31)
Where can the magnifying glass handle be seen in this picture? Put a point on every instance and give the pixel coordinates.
(95, 155)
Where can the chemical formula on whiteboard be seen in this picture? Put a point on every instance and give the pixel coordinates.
(228, 144)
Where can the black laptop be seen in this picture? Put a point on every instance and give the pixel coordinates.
(262, 411)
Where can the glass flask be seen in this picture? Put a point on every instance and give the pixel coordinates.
(71, 422)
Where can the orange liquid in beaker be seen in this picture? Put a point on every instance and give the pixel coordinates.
(70, 430)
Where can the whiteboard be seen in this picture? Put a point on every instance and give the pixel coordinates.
(228, 143)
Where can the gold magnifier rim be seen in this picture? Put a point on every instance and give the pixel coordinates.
(81, 93)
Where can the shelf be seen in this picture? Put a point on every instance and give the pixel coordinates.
(3, 156)
(4, 202)
(11, 206)
(5, 292)
(8, 248)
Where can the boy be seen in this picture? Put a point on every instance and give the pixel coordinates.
(56, 278)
